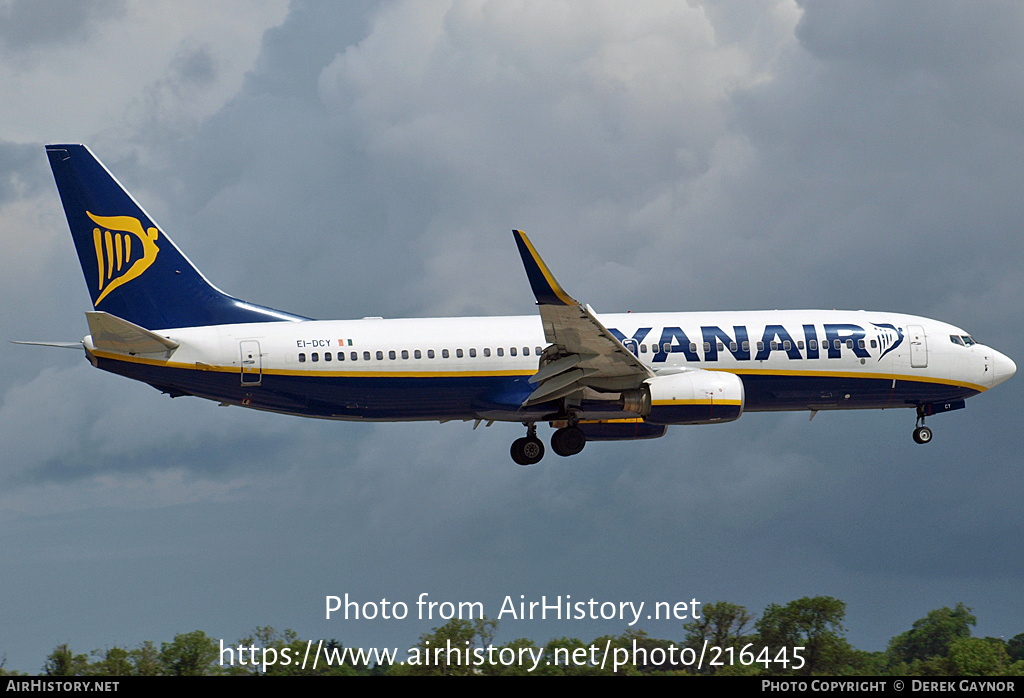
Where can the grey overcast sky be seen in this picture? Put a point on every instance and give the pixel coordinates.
(340, 160)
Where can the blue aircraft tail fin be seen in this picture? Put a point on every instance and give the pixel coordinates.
(131, 267)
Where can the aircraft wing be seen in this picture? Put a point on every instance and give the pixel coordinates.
(586, 354)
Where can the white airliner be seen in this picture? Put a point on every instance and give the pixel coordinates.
(592, 378)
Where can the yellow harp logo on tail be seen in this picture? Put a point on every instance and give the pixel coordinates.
(117, 240)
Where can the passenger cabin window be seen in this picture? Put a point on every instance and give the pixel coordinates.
(874, 344)
(860, 343)
(444, 354)
(813, 345)
(458, 353)
(643, 348)
(302, 358)
(501, 351)
(787, 345)
(538, 350)
(380, 356)
(315, 357)
(760, 346)
(417, 354)
(732, 346)
(430, 353)
(327, 356)
(512, 351)
(707, 347)
(405, 353)
(354, 356)
(391, 354)
(487, 351)
(472, 353)
(366, 355)
(341, 356)
(746, 345)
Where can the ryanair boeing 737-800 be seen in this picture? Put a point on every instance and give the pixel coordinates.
(158, 320)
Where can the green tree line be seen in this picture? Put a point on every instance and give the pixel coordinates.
(728, 639)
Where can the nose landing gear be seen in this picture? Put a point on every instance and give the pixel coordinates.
(922, 434)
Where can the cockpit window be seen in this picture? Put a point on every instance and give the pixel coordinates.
(955, 339)
(968, 340)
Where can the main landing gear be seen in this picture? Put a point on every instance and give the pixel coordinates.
(922, 434)
(567, 441)
(529, 449)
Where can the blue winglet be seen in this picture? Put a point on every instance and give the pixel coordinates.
(546, 289)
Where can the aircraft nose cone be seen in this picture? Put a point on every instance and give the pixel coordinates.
(1003, 368)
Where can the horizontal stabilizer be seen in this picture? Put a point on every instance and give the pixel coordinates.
(111, 333)
(59, 345)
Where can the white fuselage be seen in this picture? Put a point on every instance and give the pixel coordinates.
(479, 366)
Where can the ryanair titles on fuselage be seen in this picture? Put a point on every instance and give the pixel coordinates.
(828, 340)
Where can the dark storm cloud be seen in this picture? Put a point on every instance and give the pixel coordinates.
(853, 159)
(129, 430)
(912, 35)
(26, 24)
(294, 53)
(304, 205)
(22, 172)
(195, 65)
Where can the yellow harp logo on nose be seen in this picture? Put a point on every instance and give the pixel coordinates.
(116, 246)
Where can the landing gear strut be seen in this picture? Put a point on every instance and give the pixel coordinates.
(528, 450)
(922, 434)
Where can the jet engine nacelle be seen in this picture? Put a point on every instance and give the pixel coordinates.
(694, 396)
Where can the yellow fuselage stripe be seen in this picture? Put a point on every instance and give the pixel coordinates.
(663, 403)
(498, 373)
